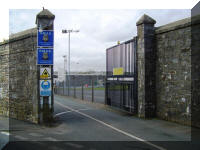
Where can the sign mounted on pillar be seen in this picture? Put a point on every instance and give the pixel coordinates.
(45, 44)
(45, 73)
(45, 38)
(45, 56)
(45, 88)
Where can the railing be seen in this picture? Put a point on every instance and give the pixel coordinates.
(90, 89)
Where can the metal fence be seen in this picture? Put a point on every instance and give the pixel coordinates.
(121, 89)
(85, 87)
(122, 55)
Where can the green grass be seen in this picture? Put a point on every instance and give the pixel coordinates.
(96, 88)
(89, 88)
(116, 87)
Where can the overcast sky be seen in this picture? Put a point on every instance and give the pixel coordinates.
(99, 29)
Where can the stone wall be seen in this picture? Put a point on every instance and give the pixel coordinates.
(176, 76)
(4, 79)
(173, 71)
(22, 76)
(164, 90)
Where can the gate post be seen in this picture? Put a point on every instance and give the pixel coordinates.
(146, 67)
(45, 44)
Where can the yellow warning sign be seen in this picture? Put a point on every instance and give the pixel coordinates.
(118, 71)
(45, 73)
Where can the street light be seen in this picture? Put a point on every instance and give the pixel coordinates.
(64, 56)
(69, 31)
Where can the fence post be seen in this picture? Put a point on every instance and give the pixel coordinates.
(74, 91)
(63, 88)
(92, 90)
(82, 91)
(106, 94)
(68, 87)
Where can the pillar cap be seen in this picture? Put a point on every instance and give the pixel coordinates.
(145, 19)
(45, 13)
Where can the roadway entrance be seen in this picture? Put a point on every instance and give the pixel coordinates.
(121, 76)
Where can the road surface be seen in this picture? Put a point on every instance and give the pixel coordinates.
(83, 125)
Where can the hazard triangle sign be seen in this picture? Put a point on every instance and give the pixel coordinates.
(45, 73)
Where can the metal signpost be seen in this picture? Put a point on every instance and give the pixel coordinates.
(45, 54)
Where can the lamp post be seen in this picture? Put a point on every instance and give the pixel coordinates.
(64, 56)
(69, 31)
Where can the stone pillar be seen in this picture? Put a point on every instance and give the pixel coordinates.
(195, 68)
(45, 22)
(146, 66)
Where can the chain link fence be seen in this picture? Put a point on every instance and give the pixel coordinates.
(85, 87)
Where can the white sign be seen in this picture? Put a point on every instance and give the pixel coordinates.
(45, 87)
(45, 73)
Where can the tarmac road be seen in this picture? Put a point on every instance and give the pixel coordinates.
(4, 138)
(4, 131)
(83, 125)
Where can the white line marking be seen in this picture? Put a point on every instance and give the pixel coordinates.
(58, 114)
(5, 133)
(95, 96)
(74, 145)
(84, 109)
(35, 134)
(114, 128)
(20, 137)
(50, 139)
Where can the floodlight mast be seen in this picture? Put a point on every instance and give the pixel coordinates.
(64, 56)
(69, 31)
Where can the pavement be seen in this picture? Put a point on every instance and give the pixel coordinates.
(84, 125)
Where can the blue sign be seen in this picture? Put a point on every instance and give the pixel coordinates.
(45, 38)
(45, 87)
(44, 56)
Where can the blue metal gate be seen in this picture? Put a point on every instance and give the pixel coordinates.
(121, 76)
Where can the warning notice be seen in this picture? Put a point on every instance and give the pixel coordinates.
(45, 73)
(45, 87)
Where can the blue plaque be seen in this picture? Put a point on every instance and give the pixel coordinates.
(45, 38)
(44, 56)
